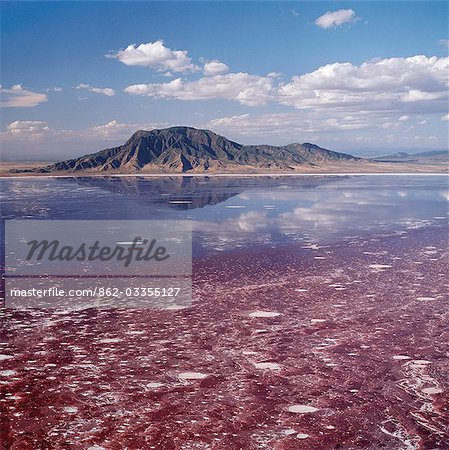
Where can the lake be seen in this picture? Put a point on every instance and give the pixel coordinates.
(229, 212)
(320, 310)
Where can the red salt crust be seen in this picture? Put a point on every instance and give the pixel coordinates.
(343, 366)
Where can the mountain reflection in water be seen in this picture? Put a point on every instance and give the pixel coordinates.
(229, 211)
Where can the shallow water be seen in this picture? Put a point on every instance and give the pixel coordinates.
(233, 212)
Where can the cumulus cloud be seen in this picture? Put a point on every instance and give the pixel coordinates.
(18, 97)
(31, 138)
(386, 84)
(156, 56)
(26, 130)
(406, 86)
(247, 89)
(105, 91)
(32, 130)
(289, 126)
(215, 67)
(115, 130)
(333, 19)
(445, 117)
(336, 130)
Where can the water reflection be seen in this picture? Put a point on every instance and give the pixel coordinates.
(228, 212)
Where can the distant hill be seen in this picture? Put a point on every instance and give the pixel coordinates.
(184, 149)
(413, 157)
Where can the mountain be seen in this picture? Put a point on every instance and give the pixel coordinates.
(184, 149)
(413, 157)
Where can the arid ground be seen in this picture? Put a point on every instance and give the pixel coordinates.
(434, 165)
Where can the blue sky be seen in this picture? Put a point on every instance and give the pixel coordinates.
(362, 77)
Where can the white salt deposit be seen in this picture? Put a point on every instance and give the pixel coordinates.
(192, 375)
(154, 385)
(267, 365)
(425, 299)
(302, 436)
(5, 357)
(421, 362)
(289, 431)
(7, 373)
(379, 267)
(302, 409)
(249, 352)
(175, 307)
(109, 341)
(264, 314)
(71, 409)
(399, 357)
(432, 390)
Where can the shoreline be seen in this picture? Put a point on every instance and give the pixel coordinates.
(236, 175)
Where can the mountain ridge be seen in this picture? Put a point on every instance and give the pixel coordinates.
(413, 157)
(188, 149)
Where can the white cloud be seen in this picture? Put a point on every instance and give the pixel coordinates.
(247, 89)
(215, 67)
(402, 86)
(404, 118)
(333, 19)
(445, 117)
(33, 139)
(416, 95)
(115, 130)
(156, 56)
(32, 130)
(26, 130)
(18, 97)
(333, 129)
(388, 84)
(286, 126)
(54, 89)
(105, 91)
